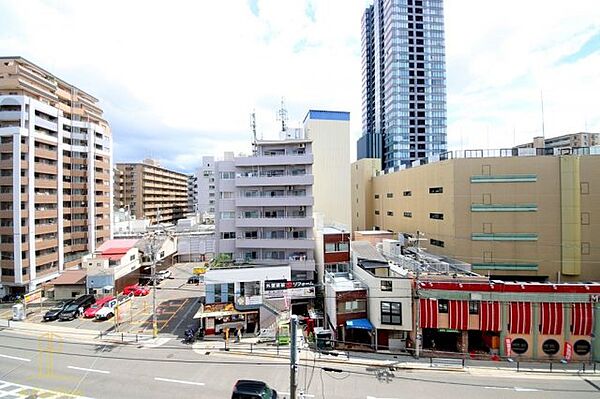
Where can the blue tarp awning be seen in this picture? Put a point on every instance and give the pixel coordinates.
(361, 324)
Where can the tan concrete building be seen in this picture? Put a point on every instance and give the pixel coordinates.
(566, 141)
(146, 188)
(55, 175)
(522, 217)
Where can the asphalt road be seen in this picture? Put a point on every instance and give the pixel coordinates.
(108, 371)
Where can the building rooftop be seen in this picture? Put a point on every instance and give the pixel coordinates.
(116, 247)
(364, 250)
(341, 282)
(70, 277)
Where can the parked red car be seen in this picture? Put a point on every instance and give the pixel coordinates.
(136, 290)
(91, 311)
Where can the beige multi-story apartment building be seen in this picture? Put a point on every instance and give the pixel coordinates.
(55, 175)
(509, 216)
(151, 191)
(567, 141)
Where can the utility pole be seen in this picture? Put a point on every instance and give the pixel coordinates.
(419, 337)
(293, 355)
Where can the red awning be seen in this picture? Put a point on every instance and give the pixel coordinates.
(551, 318)
(458, 315)
(489, 316)
(429, 313)
(582, 319)
(520, 318)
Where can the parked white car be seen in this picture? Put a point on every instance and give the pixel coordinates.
(107, 311)
(164, 274)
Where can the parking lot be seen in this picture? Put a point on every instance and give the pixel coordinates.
(176, 304)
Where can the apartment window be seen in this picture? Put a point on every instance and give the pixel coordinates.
(376, 212)
(436, 190)
(355, 306)
(386, 285)
(227, 175)
(584, 188)
(442, 305)
(376, 196)
(227, 215)
(585, 218)
(437, 216)
(585, 248)
(228, 235)
(225, 195)
(407, 214)
(132, 257)
(436, 243)
(390, 213)
(390, 195)
(391, 313)
(473, 307)
(341, 246)
(407, 193)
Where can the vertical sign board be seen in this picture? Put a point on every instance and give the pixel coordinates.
(507, 344)
(568, 351)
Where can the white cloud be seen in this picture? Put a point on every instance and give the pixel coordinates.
(178, 80)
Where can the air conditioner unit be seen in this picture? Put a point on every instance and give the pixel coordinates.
(302, 208)
(302, 145)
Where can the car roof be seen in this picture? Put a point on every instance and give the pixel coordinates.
(105, 299)
(250, 386)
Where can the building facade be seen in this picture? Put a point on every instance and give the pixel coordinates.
(404, 82)
(192, 193)
(206, 186)
(516, 320)
(511, 217)
(264, 210)
(329, 132)
(150, 191)
(55, 175)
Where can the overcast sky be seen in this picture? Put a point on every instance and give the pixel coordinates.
(179, 79)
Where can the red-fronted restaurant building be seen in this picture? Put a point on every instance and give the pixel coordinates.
(517, 320)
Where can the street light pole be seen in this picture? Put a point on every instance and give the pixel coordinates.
(153, 279)
(293, 355)
(419, 337)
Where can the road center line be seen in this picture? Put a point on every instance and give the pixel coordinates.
(179, 381)
(15, 358)
(90, 370)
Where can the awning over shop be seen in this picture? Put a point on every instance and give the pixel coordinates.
(218, 310)
(429, 313)
(582, 318)
(458, 315)
(519, 317)
(551, 318)
(489, 319)
(360, 324)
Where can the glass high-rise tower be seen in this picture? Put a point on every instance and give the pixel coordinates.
(403, 81)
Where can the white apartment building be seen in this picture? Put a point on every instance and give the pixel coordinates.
(264, 209)
(205, 196)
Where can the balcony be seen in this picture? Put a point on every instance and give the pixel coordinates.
(272, 160)
(10, 116)
(302, 265)
(266, 180)
(275, 243)
(268, 200)
(275, 222)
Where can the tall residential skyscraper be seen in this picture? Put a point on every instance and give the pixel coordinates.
(55, 175)
(404, 81)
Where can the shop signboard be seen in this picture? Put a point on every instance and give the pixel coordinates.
(568, 351)
(290, 289)
(507, 344)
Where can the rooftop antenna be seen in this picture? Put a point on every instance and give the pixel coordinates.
(253, 128)
(282, 116)
(542, 101)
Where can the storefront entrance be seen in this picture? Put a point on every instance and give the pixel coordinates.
(442, 340)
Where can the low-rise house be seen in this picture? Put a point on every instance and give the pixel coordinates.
(115, 265)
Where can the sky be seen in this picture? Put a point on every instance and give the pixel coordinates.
(178, 80)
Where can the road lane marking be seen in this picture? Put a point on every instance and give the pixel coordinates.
(179, 381)
(307, 395)
(90, 370)
(16, 358)
(526, 389)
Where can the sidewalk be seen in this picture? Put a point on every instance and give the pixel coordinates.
(250, 347)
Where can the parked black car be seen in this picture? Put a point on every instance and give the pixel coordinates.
(252, 389)
(76, 307)
(53, 313)
(193, 280)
